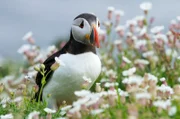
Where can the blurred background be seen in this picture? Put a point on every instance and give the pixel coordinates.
(50, 20)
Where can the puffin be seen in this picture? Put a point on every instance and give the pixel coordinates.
(79, 58)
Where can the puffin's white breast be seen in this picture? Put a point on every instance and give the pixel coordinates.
(69, 78)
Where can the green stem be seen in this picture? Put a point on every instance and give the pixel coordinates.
(43, 82)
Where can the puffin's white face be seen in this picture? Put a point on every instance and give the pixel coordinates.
(85, 29)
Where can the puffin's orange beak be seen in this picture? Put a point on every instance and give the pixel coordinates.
(94, 37)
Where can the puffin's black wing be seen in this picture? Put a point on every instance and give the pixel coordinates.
(48, 63)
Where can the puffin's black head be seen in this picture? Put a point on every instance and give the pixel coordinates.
(85, 29)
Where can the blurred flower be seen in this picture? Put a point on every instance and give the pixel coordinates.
(33, 114)
(129, 72)
(143, 31)
(110, 10)
(87, 79)
(119, 28)
(148, 54)
(28, 37)
(162, 79)
(117, 42)
(143, 98)
(110, 73)
(131, 22)
(143, 95)
(134, 79)
(157, 29)
(48, 110)
(96, 111)
(170, 52)
(160, 38)
(141, 61)
(152, 77)
(98, 87)
(82, 93)
(74, 109)
(102, 34)
(58, 62)
(123, 93)
(162, 104)
(107, 84)
(146, 6)
(178, 18)
(172, 111)
(24, 48)
(140, 43)
(125, 59)
(7, 116)
(118, 14)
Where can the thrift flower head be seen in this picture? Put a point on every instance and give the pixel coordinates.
(170, 52)
(48, 110)
(123, 93)
(81, 101)
(125, 59)
(162, 79)
(87, 79)
(148, 54)
(66, 108)
(163, 88)
(24, 48)
(143, 31)
(178, 18)
(146, 6)
(33, 114)
(51, 48)
(96, 111)
(27, 35)
(119, 12)
(107, 84)
(172, 111)
(160, 36)
(143, 95)
(101, 32)
(7, 116)
(75, 109)
(57, 63)
(141, 61)
(139, 18)
(162, 104)
(134, 79)
(157, 29)
(129, 72)
(140, 43)
(60, 62)
(117, 42)
(111, 8)
(152, 77)
(131, 22)
(119, 28)
(82, 93)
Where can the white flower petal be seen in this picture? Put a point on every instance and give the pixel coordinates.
(7, 116)
(27, 35)
(48, 110)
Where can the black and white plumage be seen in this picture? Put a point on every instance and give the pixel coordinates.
(79, 56)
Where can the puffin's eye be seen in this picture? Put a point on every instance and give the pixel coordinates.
(98, 24)
(82, 24)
